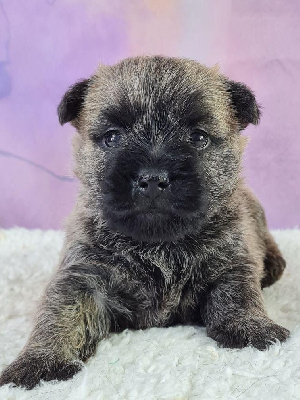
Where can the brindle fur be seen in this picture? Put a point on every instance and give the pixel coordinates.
(204, 264)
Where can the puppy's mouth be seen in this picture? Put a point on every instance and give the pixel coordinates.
(156, 213)
(152, 208)
(153, 224)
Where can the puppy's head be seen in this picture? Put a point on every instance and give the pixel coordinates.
(158, 149)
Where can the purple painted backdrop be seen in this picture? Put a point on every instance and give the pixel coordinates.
(47, 45)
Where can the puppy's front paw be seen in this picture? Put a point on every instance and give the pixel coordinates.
(27, 370)
(257, 332)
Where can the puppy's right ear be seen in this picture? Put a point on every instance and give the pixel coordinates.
(72, 102)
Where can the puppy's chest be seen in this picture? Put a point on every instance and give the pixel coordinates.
(168, 285)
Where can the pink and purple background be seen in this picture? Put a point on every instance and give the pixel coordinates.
(46, 45)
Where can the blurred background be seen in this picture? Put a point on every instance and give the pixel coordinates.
(47, 45)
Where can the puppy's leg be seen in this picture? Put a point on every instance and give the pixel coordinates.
(274, 263)
(71, 321)
(234, 314)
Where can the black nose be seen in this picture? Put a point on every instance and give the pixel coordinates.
(152, 185)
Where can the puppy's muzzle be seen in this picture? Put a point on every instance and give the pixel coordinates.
(152, 184)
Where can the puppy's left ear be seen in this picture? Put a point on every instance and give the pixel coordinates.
(244, 104)
(72, 101)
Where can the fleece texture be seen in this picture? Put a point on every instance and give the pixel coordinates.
(174, 363)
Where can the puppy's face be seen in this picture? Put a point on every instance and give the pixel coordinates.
(158, 146)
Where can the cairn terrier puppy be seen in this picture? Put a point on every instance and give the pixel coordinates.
(164, 230)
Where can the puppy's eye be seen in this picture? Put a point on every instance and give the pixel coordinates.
(200, 138)
(112, 137)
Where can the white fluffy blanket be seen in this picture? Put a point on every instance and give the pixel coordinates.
(173, 363)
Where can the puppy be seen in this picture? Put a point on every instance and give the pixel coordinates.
(164, 230)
